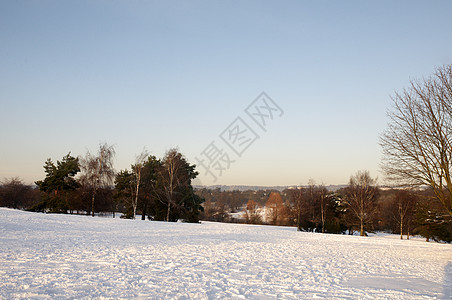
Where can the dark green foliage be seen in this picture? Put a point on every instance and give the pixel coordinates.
(148, 185)
(57, 185)
(51, 204)
(334, 226)
(306, 225)
(124, 191)
(60, 177)
(192, 207)
(433, 223)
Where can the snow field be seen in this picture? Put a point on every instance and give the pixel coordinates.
(74, 257)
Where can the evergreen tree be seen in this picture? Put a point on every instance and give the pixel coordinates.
(58, 183)
(433, 223)
(125, 191)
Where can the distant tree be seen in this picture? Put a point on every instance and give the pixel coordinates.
(334, 214)
(213, 211)
(209, 210)
(361, 198)
(58, 183)
(296, 197)
(275, 210)
(405, 202)
(14, 193)
(347, 218)
(417, 144)
(97, 171)
(323, 199)
(252, 213)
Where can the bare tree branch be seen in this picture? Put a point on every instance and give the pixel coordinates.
(417, 145)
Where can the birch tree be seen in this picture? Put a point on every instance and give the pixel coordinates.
(174, 181)
(322, 197)
(137, 171)
(97, 170)
(361, 198)
(405, 203)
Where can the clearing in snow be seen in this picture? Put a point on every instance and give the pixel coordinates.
(73, 257)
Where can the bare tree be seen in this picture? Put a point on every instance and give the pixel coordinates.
(405, 202)
(252, 213)
(14, 193)
(417, 144)
(137, 168)
(97, 170)
(296, 199)
(322, 196)
(361, 198)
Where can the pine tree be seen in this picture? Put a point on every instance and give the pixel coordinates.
(59, 181)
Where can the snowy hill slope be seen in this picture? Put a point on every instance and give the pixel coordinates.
(64, 256)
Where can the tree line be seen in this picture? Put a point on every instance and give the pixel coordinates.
(417, 157)
(158, 189)
(360, 207)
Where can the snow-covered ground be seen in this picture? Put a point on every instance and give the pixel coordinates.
(65, 256)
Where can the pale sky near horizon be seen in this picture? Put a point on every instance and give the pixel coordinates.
(163, 74)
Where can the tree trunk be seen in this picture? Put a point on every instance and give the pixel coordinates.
(143, 214)
(134, 205)
(92, 203)
(401, 227)
(361, 232)
(323, 215)
(168, 211)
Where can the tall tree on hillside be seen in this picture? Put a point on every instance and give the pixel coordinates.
(148, 185)
(417, 144)
(137, 172)
(59, 180)
(322, 197)
(97, 170)
(125, 191)
(361, 198)
(174, 183)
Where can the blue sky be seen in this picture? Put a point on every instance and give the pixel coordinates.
(161, 74)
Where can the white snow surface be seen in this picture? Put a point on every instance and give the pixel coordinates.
(75, 257)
